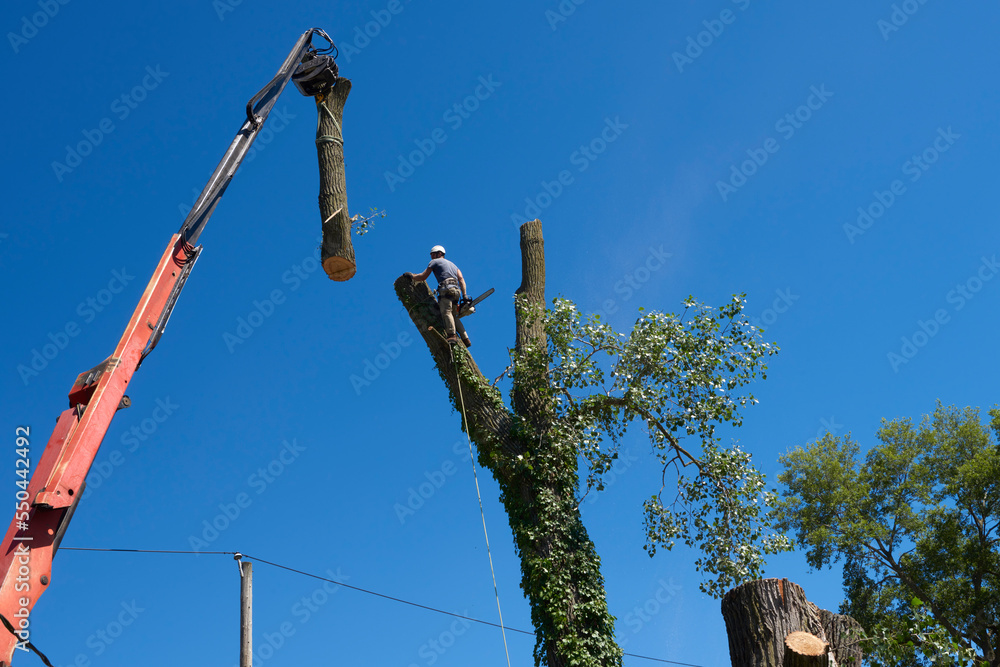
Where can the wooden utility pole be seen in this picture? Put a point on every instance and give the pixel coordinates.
(246, 612)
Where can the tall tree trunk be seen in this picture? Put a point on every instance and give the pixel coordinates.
(338, 251)
(536, 471)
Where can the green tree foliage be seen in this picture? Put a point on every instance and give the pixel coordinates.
(918, 523)
(679, 376)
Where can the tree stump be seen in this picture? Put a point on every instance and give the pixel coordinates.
(844, 635)
(338, 251)
(806, 650)
(760, 614)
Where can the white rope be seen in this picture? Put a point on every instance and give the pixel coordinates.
(475, 476)
(327, 138)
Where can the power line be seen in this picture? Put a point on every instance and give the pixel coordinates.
(153, 551)
(356, 588)
(307, 574)
(387, 597)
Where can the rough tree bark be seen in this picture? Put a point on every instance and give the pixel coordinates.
(761, 614)
(536, 471)
(844, 635)
(338, 251)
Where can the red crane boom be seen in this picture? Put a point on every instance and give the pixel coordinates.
(46, 505)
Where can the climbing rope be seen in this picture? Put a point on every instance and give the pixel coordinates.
(475, 476)
(327, 138)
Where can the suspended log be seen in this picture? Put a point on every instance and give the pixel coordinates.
(338, 251)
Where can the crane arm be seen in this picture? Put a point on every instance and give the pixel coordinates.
(46, 505)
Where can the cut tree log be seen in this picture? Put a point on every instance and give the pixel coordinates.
(806, 650)
(338, 251)
(760, 614)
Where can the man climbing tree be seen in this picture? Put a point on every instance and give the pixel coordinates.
(451, 292)
(678, 375)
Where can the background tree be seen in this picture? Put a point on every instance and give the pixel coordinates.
(576, 387)
(917, 521)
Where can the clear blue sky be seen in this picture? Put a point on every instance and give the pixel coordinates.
(701, 148)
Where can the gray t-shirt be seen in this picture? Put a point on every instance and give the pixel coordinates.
(443, 269)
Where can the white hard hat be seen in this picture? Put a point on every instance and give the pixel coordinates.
(438, 248)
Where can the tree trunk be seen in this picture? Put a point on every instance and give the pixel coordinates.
(844, 635)
(760, 614)
(338, 251)
(530, 342)
(537, 472)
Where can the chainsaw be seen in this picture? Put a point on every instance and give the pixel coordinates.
(469, 307)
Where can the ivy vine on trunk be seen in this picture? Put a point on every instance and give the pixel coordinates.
(577, 385)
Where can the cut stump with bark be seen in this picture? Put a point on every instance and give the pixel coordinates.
(338, 251)
(760, 614)
(803, 649)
